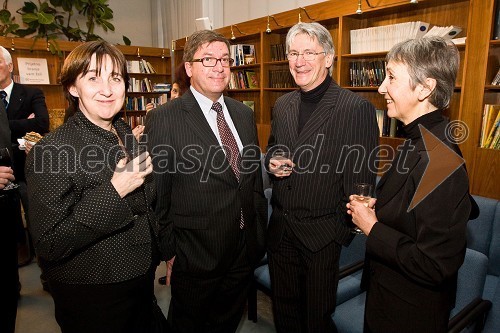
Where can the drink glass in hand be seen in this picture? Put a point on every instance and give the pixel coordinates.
(5, 160)
(282, 156)
(363, 192)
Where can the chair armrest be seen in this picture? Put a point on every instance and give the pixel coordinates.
(473, 312)
(350, 269)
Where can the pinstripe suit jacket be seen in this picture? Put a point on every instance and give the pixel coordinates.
(335, 148)
(199, 198)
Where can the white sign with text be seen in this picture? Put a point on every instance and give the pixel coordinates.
(33, 70)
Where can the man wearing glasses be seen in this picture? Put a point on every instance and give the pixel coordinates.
(210, 202)
(332, 133)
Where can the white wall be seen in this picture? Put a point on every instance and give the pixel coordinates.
(131, 18)
(245, 10)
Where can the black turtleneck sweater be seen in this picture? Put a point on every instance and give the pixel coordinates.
(428, 120)
(309, 101)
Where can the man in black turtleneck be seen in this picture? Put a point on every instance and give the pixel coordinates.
(333, 135)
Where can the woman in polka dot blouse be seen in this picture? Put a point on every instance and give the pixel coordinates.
(90, 190)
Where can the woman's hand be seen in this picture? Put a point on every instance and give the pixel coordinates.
(137, 131)
(363, 214)
(129, 176)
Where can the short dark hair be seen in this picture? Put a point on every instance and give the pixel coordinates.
(77, 64)
(198, 38)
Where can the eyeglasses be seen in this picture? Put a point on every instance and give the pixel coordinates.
(308, 55)
(212, 62)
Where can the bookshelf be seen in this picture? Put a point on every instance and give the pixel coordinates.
(480, 60)
(54, 95)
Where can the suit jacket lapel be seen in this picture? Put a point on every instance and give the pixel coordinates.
(196, 120)
(4, 129)
(292, 117)
(244, 132)
(320, 115)
(15, 101)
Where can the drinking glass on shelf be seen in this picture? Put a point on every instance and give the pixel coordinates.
(5, 160)
(283, 157)
(363, 192)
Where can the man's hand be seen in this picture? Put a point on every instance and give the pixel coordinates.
(280, 167)
(6, 176)
(170, 264)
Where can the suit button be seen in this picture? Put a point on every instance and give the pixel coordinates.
(285, 213)
(240, 188)
(288, 187)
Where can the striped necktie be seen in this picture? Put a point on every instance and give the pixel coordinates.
(230, 147)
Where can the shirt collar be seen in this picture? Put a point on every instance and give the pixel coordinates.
(204, 102)
(8, 89)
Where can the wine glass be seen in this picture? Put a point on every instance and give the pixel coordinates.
(362, 193)
(282, 156)
(5, 160)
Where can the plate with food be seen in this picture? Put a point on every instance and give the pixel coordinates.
(31, 137)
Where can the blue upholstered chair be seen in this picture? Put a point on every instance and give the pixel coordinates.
(483, 235)
(349, 315)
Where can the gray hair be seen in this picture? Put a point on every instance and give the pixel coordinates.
(6, 55)
(429, 57)
(313, 30)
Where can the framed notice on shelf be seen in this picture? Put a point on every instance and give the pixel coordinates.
(33, 70)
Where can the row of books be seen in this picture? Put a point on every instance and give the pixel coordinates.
(281, 78)
(389, 127)
(278, 52)
(382, 38)
(139, 102)
(243, 54)
(246, 79)
(366, 73)
(146, 85)
(134, 120)
(490, 127)
(140, 66)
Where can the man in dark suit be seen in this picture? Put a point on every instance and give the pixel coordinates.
(27, 112)
(9, 205)
(210, 204)
(333, 134)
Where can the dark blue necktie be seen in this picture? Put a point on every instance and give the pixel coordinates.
(3, 95)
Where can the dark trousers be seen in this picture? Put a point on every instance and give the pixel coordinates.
(9, 209)
(202, 304)
(304, 286)
(124, 307)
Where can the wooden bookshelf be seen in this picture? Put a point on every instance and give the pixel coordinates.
(54, 94)
(480, 60)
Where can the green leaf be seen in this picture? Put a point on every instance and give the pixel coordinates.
(56, 3)
(4, 15)
(126, 40)
(24, 32)
(45, 18)
(29, 7)
(107, 25)
(28, 18)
